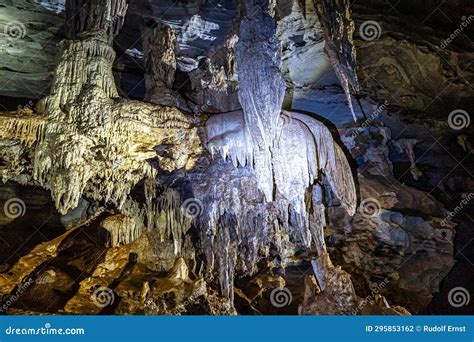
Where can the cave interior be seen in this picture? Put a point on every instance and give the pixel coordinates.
(249, 157)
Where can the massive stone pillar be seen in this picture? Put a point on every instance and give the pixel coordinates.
(83, 138)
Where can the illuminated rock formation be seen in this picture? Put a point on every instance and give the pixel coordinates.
(88, 141)
(206, 196)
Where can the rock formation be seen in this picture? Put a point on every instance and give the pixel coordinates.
(203, 195)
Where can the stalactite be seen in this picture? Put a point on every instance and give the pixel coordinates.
(407, 146)
(236, 226)
(305, 148)
(338, 27)
(304, 152)
(122, 229)
(332, 161)
(261, 85)
(26, 129)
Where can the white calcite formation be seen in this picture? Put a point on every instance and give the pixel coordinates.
(84, 141)
(261, 84)
(88, 141)
(304, 153)
(287, 155)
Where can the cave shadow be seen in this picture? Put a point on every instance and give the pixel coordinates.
(37, 222)
(77, 257)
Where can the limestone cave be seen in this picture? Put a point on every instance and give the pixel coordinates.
(236, 157)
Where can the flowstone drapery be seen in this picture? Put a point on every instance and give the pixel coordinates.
(289, 153)
(84, 141)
